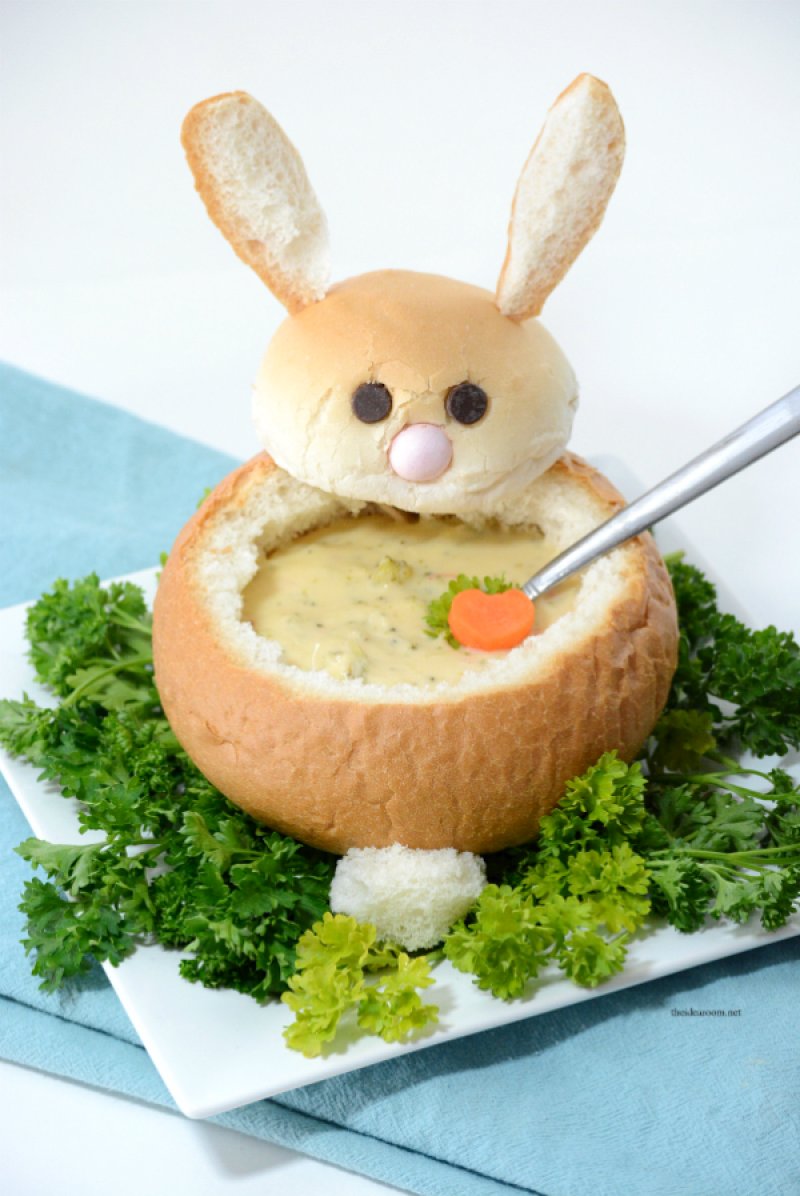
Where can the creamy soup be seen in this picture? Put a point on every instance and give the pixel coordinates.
(350, 598)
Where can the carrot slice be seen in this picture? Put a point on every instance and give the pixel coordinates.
(491, 622)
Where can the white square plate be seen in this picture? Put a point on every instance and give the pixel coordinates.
(243, 1056)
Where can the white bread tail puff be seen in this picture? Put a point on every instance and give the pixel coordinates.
(562, 194)
(419, 336)
(256, 190)
(340, 763)
(410, 897)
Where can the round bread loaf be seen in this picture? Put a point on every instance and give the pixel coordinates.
(419, 336)
(343, 763)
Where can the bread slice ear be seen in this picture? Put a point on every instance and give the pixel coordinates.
(255, 187)
(561, 195)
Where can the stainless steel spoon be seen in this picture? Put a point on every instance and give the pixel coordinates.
(766, 431)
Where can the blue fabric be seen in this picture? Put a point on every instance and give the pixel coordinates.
(611, 1096)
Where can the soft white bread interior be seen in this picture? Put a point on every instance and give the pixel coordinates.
(561, 195)
(255, 187)
(410, 897)
(340, 763)
(418, 335)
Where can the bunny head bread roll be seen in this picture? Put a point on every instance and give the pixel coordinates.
(414, 429)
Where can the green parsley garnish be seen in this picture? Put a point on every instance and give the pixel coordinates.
(336, 964)
(686, 833)
(577, 895)
(178, 863)
(722, 661)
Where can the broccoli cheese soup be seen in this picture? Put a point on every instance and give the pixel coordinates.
(351, 598)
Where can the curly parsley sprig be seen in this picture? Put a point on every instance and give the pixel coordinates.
(343, 973)
(747, 682)
(577, 896)
(688, 832)
(620, 846)
(177, 862)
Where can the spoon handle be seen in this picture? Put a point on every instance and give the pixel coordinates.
(760, 435)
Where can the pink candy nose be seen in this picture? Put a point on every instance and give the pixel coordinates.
(420, 453)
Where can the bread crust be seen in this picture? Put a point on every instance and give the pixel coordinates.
(476, 772)
(572, 240)
(292, 290)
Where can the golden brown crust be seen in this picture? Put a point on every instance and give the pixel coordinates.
(475, 773)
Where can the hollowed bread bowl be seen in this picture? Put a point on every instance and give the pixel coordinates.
(342, 763)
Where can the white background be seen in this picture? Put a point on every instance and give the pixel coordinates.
(414, 118)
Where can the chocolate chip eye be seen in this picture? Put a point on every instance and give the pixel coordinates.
(466, 403)
(371, 402)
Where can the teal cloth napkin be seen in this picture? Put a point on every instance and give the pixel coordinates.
(608, 1097)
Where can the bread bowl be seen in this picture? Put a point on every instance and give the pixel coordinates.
(435, 401)
(341, 763)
